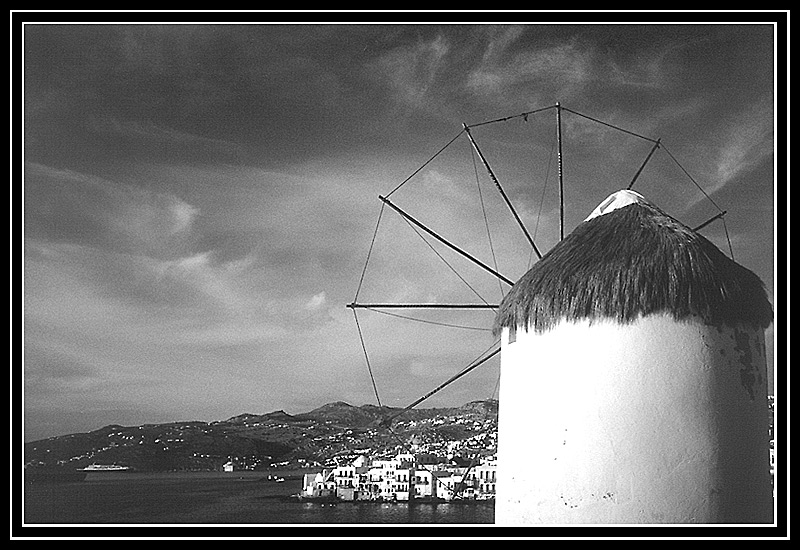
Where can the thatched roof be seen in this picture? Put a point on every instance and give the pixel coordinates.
(634, 260)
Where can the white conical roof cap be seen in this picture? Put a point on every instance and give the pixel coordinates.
(617, 200)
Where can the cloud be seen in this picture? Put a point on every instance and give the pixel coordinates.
(119, 311)
(747, 139)
(215, 282)
(47, 364)
(425, 368)
(184, 215)
(500, 40)
(104, 328)
(69, 286)
(316, 302)
(549, 63)
(409, 72)
(65, 205)
(561, 65)
(231, 333)
(747, 142)
(158, 136)
(180, 285)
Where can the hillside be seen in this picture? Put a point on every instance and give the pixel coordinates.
(332, 433)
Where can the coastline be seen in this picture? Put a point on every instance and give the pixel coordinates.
(222, 498)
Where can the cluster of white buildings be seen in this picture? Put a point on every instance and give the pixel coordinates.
(402, 478)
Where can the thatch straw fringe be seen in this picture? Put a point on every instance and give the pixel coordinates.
(631, 262)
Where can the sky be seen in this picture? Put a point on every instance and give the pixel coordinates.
(200, 200)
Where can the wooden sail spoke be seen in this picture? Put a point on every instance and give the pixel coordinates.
(446, 242)
(355, 305)
(713, 218)
(502, 193)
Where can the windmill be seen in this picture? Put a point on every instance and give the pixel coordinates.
(600, 302)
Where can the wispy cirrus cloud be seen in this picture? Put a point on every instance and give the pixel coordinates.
(746, 141)
(66, 205)
(93, 316)
(562, 65)
(316, 302)
(67, 283)
(150, 134)
(410, 72)
(215, 281)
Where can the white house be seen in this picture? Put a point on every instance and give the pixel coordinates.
(424, 483)
(449, 485)
(403, 484)
(486, 474)
(320, 484)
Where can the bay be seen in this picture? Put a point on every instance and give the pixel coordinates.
(220, 498)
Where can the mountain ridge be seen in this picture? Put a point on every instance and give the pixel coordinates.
(321, 436)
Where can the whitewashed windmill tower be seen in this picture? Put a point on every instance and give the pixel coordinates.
(633, 379)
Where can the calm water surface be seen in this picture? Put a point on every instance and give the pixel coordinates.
(218, 498)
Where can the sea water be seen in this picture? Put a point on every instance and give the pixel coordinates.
(220, 498)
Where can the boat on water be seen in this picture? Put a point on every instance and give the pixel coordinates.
(106, 468)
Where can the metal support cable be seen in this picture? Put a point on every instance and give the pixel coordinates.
(541, 200)
(688, 175)
(544, 189)
(369, 253)
(424, 164)
(485, 219)
(609, 125)
(366, 357)
(475, 364)
(405, 447)
(386, 422)
(560, 173)
(446, 243)
(502, 192)
(457, 274)
(426, 321)
(722, 212)
(462, 484)
(504, 119)
(728, 236)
